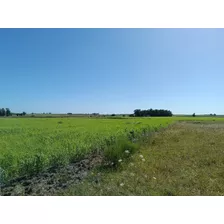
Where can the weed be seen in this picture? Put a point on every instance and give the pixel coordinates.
(122, 149)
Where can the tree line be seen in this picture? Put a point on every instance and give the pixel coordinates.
(5, 112)
(137, 113)
(152, 113)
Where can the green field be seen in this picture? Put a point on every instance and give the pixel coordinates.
(31, 145)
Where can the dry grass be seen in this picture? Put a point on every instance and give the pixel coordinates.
(185, 159)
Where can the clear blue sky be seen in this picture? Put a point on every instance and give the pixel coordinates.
(112, 70)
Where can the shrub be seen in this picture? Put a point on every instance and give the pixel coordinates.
(122, 149)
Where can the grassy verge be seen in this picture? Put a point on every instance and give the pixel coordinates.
(185, 159)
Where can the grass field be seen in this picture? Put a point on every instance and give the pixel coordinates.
(30, 146)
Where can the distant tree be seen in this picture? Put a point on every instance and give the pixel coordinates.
(113, 115)
(8, 112)
(23, 113)
(2, 112)
(152, 113)
(214, 114)
(69, 113)
(137, 113)
(193, 115)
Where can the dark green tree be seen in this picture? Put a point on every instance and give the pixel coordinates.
(8, 112)
(152, 113)
(2, 112)
(137, 113)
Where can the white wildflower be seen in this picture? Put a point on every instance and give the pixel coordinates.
(122, 184)
(131, 164)
(154, 178)
(120, 160)
(141, 156)
(127, 151)
(143, 160)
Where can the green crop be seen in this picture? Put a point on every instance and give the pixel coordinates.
(31, 145)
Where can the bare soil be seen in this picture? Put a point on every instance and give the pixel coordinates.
(53, 180)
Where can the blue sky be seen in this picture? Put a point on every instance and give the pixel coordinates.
(112, 70)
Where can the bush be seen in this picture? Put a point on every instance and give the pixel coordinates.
(122, 149)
